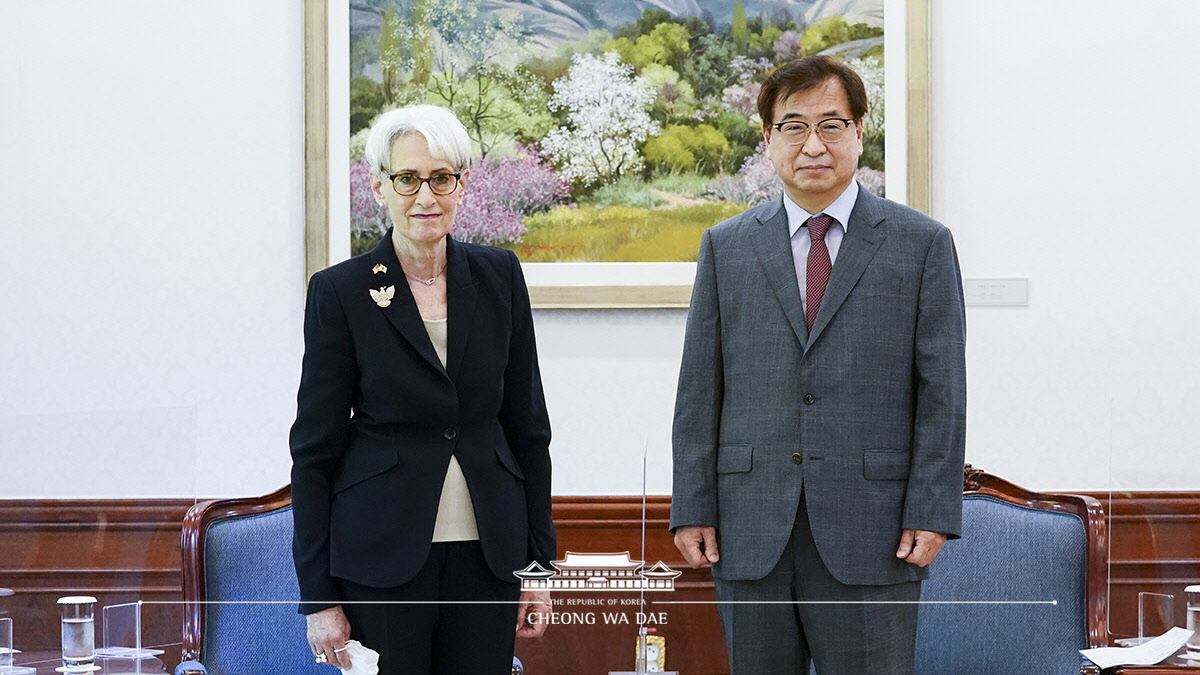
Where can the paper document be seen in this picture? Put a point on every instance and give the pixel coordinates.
(1145, 654)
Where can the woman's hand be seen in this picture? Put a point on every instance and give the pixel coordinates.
(533, 614)
(328, 632)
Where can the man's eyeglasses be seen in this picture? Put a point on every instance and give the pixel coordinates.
(830, 130)
(409, 184)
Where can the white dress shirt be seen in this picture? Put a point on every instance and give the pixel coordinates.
(839, 210)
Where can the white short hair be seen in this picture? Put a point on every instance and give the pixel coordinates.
(446, 136)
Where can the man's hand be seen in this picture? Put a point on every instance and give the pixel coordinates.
(328, 632)
(533, 602)
(698, 544)
(920, 547)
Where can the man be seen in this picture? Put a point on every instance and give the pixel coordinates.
(820, 416)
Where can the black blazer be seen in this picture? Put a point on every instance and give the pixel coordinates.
(378, 419)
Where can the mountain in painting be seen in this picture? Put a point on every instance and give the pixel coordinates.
(557, 21)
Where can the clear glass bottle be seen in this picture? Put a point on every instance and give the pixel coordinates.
(78, 632)
(1193, 617)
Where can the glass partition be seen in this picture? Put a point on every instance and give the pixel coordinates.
(113, 425)
(1152, 506)
(8, 654)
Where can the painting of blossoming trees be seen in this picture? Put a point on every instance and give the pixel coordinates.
(606, 130)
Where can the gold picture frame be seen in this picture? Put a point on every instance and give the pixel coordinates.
(658, 654)
(585, 295)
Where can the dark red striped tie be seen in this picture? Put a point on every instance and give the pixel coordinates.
(819, 265)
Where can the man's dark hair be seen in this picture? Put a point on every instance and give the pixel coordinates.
(806, 73)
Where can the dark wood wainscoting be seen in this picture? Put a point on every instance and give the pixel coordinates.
(116, 550)
(123, 550)
(1154, 546)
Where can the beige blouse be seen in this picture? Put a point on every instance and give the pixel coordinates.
(456, 514)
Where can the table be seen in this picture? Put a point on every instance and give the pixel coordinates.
(46, 662)
(1173, 666)
(1156, 670)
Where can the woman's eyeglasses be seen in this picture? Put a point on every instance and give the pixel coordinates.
(409, 184)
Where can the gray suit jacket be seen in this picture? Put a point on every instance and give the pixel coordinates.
(865, 416)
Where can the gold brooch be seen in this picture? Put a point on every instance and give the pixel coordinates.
(383, 296)
(380, 267)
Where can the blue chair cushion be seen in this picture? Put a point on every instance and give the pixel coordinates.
(249, 558)
(1007, 553)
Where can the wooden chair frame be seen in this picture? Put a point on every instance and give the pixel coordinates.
(195, 526)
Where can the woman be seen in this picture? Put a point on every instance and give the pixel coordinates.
(421, 467)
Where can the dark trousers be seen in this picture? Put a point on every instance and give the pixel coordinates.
(842, 632)
(416, 635)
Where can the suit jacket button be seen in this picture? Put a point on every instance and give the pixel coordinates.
(449, 434)
(810, 399)
(797, 457)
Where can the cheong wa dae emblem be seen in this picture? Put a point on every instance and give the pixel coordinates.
(598, 572)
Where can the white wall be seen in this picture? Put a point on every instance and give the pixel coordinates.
(151, 194)
(610, 388)
(1064, 150)
(152, 231)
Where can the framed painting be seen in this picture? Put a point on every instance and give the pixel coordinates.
(606, 144)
